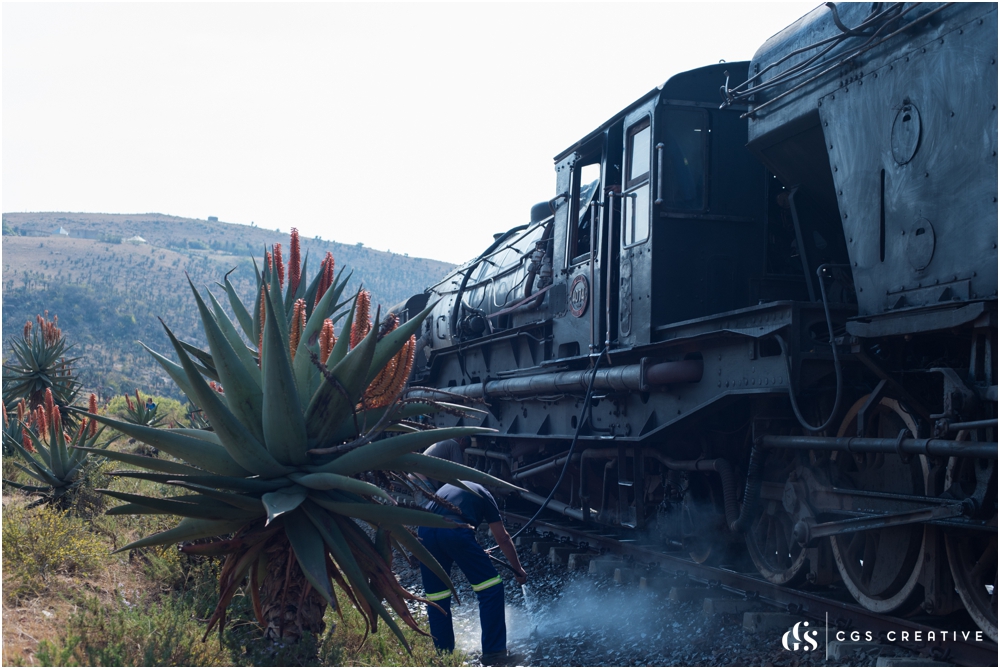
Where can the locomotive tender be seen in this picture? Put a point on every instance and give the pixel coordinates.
(763, 323)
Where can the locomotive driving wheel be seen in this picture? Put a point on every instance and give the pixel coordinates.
(972, 556)
(777, 555)
(881, 568)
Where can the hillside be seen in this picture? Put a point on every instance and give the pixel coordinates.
(109, 290)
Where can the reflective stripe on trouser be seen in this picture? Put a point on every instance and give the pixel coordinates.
(438, 596)
(486, 584)
(460, 546)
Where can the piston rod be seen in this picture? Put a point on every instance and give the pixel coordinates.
(622, 378)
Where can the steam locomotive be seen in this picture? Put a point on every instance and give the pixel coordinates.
(762, 308)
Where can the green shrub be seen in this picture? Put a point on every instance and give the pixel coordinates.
(43, 541)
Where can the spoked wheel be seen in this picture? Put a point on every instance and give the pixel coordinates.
(778, 557)
(880, 568)
(973, 555)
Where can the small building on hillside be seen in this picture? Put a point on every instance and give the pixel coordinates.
(136, 240)
(63, 231)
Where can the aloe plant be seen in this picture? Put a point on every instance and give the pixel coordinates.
(297, 441)
(38, 363)
(140, 414)
(47, 453)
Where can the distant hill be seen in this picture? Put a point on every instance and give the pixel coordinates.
(110, 276)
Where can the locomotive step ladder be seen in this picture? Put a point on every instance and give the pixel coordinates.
(631, 484)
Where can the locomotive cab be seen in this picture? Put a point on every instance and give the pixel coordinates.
(661, 216)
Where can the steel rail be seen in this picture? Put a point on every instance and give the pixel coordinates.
(846, 616)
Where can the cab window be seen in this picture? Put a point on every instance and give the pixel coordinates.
(587, 188)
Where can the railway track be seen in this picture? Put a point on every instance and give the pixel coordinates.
(817, 607)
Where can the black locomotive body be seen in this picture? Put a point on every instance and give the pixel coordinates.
(779, 309)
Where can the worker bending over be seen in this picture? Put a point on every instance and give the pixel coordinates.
(459, 545)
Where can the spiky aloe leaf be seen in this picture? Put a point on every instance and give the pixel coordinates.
(236, 304)
(377, 454)
(334, 538)
(195, 433)
(284, 426)
(243, 394)
(190, 506)
(412, 544)
(440, 469)
(307, 544)
(251, 504)
(338, 482)
(236, 439)
(175, 371)
(246, 356)
(202, 479)
(188, 529)
(380, 513)
(202, 454)
(368, 418)
(340, 350)
(168, 467)
(333, 403)
(202, 360)
(303, 368)
(282, 501)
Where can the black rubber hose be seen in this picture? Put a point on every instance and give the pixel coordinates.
(836, 365)
(572, 446)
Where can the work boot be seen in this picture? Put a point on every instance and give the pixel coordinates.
(502, 659)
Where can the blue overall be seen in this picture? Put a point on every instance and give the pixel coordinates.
(450, 546)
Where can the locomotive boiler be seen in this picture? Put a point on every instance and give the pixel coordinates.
(758, 320)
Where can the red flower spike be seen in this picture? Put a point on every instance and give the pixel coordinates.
(297, 328)
(93, 409)
(361, 325)
(27, 329)
(326, 277)
(26, 438)
(327, 340)
(50, 404)
(279, 266)
(41, 422)
(294, 262)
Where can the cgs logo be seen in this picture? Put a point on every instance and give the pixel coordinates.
(793, 639)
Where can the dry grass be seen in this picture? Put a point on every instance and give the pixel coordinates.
(148, 608)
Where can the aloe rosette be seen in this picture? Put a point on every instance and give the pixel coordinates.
(293, 440)
(39, 363)
(53, 457)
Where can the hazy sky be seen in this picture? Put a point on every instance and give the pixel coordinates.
(420, 128)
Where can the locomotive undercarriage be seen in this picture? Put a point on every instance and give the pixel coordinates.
(896, 501)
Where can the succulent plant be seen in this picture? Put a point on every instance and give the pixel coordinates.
(49, 454)
(39, 363)
(139, 413)
(302, 427)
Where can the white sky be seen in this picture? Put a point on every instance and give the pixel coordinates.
(418, 128)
